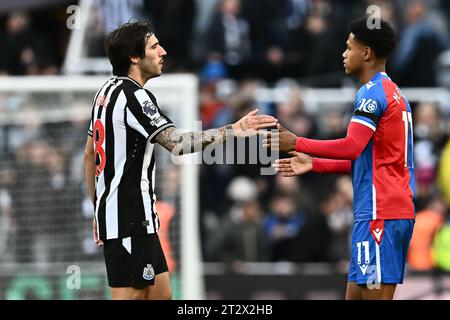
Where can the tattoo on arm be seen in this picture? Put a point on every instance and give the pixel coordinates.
(180, 143)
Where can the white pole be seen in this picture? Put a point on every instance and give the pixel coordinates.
(192, 285)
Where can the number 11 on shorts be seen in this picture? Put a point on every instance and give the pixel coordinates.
(363, 245)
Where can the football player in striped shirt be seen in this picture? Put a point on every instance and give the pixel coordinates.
(378, 152)
(126, 122)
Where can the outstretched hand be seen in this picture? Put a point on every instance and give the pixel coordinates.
(299, 164)
(283, 140)
(250, 124)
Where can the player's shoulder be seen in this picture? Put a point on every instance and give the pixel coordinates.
(136, 93)
(105, 85)
(150, 94)
(144, 96)
(390, 86)
(374, 89)
(143, 99)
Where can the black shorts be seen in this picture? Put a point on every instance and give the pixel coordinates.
(134, 261)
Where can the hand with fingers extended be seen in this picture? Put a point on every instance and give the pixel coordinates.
(283, 140)
(95, 233)
(299, 164)
(250, 124)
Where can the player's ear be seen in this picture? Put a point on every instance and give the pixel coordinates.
(134, 60)
(367, 53)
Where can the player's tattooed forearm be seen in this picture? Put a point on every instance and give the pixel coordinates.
(166, 138)
(180, 143)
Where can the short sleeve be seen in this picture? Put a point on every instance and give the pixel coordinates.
(90, 129)
(144, 115)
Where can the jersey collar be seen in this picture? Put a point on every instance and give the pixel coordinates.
(378, 75)
(130, 79)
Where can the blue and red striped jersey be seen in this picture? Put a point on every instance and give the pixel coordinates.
(383, 175)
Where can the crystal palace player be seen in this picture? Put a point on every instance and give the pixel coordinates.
(120, 164)
(378, 152)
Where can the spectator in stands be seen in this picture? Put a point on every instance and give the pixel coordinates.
(341, 221)
(25, 51)
(428, 222)
(228, 34)
(213, 70)
(7, 227)
(241, 238)
(441, 249)
(32, 201)
(444, 173)
(282, 226)
(60, 216)
(27, 131)
(419, 45)
(333, 125)
(324, 236)
(294, 187)
(273, 24)
(429, 139)
(240, 190)
(175, 21)
(107, 15)
(318, 41)
(291, 110)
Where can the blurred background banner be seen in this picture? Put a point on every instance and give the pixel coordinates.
(224, 226)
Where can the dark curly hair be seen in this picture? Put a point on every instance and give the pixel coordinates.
(127, 41)
(381, 40)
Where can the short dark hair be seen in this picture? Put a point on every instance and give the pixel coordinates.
(381, 40)
(127, 41)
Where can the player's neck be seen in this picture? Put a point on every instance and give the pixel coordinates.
(136, 76)
(370, 72)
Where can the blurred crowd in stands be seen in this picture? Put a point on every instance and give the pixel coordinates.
(237, 47)
(309, 218)
(240, 39)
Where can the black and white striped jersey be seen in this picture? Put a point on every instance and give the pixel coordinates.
(125, 119)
